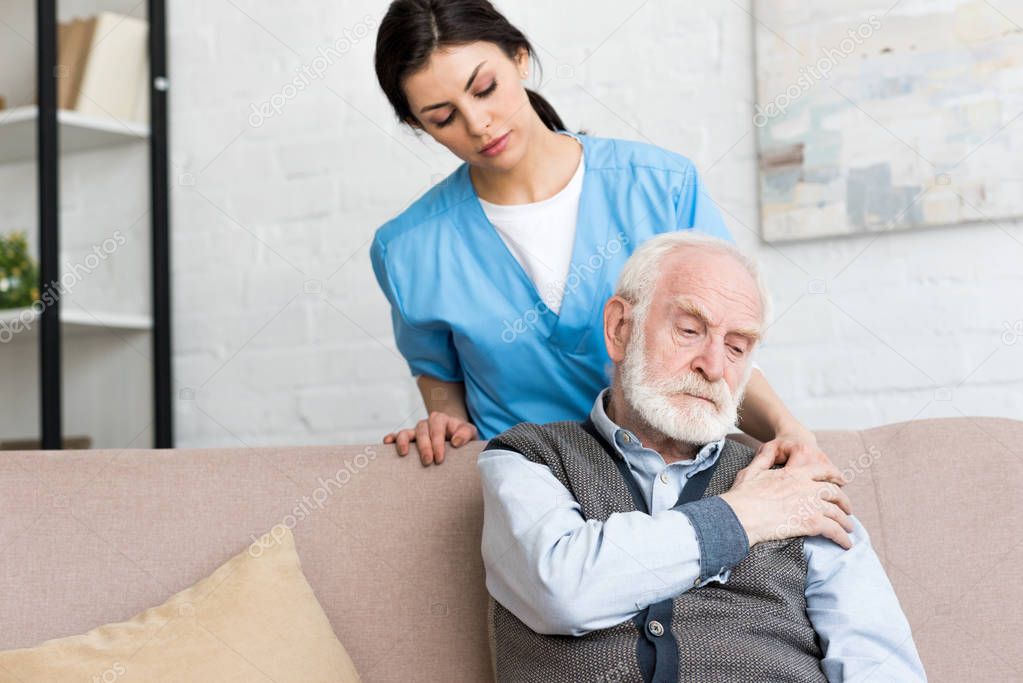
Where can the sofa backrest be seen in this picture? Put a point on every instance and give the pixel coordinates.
(392, 549)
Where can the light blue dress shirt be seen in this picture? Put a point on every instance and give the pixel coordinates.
(562, 574)
(464, 310)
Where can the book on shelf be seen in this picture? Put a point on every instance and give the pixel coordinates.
(103, 66)
(73, 39)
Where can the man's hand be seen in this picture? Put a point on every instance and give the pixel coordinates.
(430, 435)
(796, 500)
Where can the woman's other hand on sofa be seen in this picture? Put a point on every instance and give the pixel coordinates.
(431, 434)
(448, 421)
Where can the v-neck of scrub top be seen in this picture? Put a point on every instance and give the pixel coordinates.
(541, 235)
(567, 328)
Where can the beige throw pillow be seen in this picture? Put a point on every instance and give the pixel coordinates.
(253, 619)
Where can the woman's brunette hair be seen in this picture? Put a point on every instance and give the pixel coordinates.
(412, 29)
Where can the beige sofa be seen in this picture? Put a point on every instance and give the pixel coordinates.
(392, 549)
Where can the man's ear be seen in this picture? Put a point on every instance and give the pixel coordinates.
(617, 327)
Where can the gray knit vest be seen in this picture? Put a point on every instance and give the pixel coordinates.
(754, 627)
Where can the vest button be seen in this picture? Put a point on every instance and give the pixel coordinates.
(655, 628)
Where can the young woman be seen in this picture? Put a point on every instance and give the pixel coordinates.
(497, 276)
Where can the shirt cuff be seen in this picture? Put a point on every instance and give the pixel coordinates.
(723, 541)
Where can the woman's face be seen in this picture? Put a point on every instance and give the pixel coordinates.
(470, 96)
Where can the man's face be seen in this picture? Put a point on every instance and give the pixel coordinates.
(686, 367)
(495, 102)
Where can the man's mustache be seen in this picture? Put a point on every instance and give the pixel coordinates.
(694, 385)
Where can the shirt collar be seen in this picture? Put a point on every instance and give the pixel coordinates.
(615, 434)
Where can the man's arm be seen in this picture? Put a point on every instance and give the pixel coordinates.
(562, 574)
(854, 609)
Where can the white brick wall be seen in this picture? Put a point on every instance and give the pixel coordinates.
(281, 335)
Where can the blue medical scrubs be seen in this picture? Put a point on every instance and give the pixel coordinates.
(464, 310)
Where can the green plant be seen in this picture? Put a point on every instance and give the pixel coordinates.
(19, 275)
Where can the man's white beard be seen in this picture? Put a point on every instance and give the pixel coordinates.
(697, 423)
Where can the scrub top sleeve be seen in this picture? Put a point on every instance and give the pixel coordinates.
(427, 352)
(696, 210)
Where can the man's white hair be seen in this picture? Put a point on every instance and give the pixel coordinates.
(639, 275)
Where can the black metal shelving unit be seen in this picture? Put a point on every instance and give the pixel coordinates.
(158, 162)
(48, 150)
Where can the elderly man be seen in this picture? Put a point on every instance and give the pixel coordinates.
(643, 545)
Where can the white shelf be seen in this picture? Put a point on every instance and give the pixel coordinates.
(77, 132)
(23, 323)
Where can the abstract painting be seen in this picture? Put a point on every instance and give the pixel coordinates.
(875, 116)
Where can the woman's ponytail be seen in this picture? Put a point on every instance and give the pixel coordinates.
(546, 112)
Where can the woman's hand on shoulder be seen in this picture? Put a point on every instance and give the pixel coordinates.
(800, 450)
(430, 436)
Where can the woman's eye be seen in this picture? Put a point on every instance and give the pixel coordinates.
(485, 93)
(737, 350)
(488, 91)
